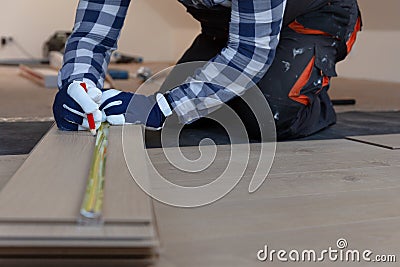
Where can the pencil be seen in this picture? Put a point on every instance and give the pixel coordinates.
(92, 125)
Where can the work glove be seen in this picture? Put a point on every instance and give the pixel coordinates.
(128, 108)
(73, 103)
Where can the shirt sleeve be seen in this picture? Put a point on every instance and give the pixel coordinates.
(253, 38)
(96, 31)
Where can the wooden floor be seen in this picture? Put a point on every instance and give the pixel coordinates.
(317, 192)
(24, 99)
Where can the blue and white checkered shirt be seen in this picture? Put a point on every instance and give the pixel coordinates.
(253, 37)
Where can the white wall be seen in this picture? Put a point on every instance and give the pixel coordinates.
(376, 53)
(160, 30)
(151, 28)
(375, 56)
(30, 23)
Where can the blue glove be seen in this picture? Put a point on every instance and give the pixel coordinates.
(122, 107)
(72, 104)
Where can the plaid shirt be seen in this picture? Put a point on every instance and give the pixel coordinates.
(206, 3)
(253, 37)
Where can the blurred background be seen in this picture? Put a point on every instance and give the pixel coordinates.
(161, 30)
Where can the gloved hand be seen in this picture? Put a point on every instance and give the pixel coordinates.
(72, 104)
(122, 107)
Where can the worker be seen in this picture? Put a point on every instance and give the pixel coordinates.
(288, 48)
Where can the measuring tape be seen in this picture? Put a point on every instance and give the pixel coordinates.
(92, 204)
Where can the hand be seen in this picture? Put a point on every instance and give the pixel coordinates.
(72, 104)
(123, 107)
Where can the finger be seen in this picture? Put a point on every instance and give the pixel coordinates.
(113, 106)
(85, 125)
(95, 94)
(66, 125)
(104, 116)
(74, 119)
(98, 116)
(78, 93)
(78, 118)
(108, 96)
(74, 111)
(82, 125)
(116, 119)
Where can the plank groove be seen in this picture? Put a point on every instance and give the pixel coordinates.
(390, 141)
(39, 206)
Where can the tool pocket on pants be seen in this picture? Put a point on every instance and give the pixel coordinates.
(315, 77)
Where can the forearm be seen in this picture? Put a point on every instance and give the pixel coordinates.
(254, 36)
(94, 37)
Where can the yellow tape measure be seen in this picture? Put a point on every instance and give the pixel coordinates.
(93, 201)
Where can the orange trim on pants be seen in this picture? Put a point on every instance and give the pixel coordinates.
(325, 81)
(299, 28)
(353, 36)
(294, 93)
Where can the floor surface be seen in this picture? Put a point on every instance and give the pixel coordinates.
(317, 192)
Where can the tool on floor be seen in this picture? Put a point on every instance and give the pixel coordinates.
(92, 125)
(343, 102)
(120, 58)
(143, 73)
(41, 75)
(56, 43)
(92, 205)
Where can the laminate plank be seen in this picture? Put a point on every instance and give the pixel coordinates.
(317, 192)
(8, 166)
(295, 157)
(280, 185)
(48, 244)
(333, 155)
(247, 213)
(124, 200)
(240, 249)
(50, 184)
(35, 231)
(390, 141)
(78, 262)
(84, 252)
(291, 199)
(39, 207)
(323, 182)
